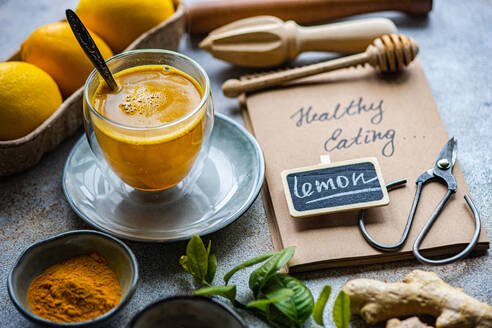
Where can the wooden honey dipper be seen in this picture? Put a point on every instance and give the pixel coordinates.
(389, 53)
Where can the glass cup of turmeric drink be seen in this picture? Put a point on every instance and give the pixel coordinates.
(154, 129)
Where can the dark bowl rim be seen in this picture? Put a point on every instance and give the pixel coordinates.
(188, 297)
(95, 321)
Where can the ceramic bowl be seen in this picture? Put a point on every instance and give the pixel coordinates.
(43, 254)
(187, 312)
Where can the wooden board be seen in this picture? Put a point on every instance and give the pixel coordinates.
(336, 187)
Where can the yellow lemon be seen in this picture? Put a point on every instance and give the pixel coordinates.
(119, 22)
(54, 49)
(28, 96)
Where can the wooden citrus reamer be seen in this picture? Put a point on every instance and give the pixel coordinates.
(389, 53)
(263, 41)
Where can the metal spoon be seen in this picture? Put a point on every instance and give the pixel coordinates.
(89, 46)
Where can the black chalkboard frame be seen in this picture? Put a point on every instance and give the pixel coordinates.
(384, 200)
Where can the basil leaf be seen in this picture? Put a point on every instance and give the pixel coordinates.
(299, 306)
(228, 292)
(197, 258)
(246, 264)
(320, 304)
(341, 310)
(212, 267)
(260, 276)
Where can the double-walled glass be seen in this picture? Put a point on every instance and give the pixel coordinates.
(158, 157)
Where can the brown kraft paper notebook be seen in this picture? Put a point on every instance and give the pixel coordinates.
(349, 114)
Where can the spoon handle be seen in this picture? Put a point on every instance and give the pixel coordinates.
(89, 46)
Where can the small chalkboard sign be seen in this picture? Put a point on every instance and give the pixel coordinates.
(335, 187)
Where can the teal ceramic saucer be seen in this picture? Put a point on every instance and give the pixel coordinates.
(230, 181)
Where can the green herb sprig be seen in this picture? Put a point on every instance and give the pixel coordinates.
(279, 299)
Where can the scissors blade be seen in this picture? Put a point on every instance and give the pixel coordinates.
(449, 152)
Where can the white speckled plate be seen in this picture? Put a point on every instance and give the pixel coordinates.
(229, 183)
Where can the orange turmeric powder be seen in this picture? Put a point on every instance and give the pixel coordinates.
(79, 289)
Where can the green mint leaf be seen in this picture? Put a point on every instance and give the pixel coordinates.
(212, 264)
(260, 276)
(228, 292)
(297, 307)
(246, 264)
(183, 261)
(277, 296)
(320, 304)
(280, 294)
(263, 305)
(212, 267)
(197, 258)
(341, 310)
(278, 319)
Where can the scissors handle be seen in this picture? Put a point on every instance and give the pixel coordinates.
(403, 239)
(431, 221)
(427, 227)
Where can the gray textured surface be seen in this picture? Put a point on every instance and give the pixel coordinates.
(455, 48)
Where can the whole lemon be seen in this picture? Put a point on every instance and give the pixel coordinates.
(119, 22)
(53, 48)
(28, 96)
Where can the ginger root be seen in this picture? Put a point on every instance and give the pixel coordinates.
(420, 293)
(412, 322)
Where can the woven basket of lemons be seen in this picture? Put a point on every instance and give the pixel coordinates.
(41, 85)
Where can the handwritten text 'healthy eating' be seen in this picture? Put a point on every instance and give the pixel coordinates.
(306, 115)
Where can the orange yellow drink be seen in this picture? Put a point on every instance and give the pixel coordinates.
(160, 103)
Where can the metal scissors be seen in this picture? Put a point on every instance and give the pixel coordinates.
(442, 172)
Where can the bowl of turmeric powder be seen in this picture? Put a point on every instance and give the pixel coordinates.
(79, 278)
